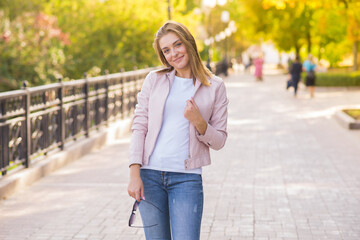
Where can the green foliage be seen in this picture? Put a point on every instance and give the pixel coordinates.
(327, 28)
(287, 26)
(85, 36)
(334, 52)
(111, 35)
(15, 8)
(31, 49)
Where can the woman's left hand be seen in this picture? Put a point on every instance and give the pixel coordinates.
(192, 113)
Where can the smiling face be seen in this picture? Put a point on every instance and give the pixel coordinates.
(175, 53)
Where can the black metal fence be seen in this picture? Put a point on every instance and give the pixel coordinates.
(34, 121)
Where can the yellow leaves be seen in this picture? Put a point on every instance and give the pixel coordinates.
(283, 4)
(278, 4)
(322, 24)
(353, 28)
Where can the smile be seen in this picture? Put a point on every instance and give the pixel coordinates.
(178, 59)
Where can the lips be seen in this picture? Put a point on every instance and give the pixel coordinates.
(178, 59)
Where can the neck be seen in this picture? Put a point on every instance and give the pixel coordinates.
(183, 73)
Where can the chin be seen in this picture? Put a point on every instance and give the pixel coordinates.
(181, 66)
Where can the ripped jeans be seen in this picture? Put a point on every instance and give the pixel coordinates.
(180, 197)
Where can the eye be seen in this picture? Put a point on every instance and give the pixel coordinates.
(166, 51)
(178, 44)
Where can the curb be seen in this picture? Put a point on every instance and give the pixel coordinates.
(346, 121)
(72, 152)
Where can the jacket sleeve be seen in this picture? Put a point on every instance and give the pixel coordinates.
(139, 126)
(216, 133)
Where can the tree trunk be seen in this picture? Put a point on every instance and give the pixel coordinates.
(297, 49)
(308, 39)
(355, 52)
(169, 10)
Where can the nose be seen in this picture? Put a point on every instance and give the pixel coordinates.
(173, 52)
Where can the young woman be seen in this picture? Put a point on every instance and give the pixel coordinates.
(258, 63)
(309, 66)
(181, 113)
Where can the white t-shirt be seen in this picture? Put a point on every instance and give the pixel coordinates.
(172, 145)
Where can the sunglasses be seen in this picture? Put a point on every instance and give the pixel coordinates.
(133, 214)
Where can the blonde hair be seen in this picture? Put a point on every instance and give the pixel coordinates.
(198, 69)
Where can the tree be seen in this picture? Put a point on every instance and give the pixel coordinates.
(325, 29)
(85, 35)
(353, 30)
(31, 49)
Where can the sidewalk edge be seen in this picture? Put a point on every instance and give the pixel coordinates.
(346, 121)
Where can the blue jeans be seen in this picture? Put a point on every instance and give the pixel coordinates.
(180, 197)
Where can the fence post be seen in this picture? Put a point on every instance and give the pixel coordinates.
(87, 107)
(124, 97)
(61, 115)
(45, 140)
(4, 139)
(27, 124)
(106, 117)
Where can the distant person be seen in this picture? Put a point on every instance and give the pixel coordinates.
(295, 71)
(258, 63)
(208, 65)
(309, 67)
(248, 64)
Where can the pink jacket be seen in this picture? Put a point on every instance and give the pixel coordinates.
(212, 102)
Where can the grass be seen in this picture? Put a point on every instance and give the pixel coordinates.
(354, 113)
(12, 167)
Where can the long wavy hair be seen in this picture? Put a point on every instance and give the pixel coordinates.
(198, 69)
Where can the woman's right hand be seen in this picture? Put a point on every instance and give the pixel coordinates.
(136, 187)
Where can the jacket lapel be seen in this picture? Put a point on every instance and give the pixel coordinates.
(171, 77)
(197, 85)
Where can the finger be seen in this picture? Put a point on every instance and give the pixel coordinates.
(188, 106)
(186, 115)
(193, 102)
(142, 193)
(137, 196)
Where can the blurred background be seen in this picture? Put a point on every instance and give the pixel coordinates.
(43, 40)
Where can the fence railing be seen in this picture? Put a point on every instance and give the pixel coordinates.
(36, 120)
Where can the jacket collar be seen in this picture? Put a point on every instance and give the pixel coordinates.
(171, 77)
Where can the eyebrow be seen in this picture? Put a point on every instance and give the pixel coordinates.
(172, 43)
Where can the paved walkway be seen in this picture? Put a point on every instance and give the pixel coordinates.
(288, 171)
